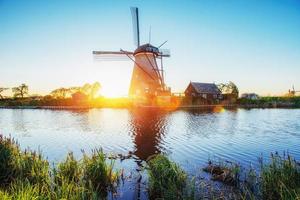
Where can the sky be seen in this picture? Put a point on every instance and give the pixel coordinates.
(49, 44)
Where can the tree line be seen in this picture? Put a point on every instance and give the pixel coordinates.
(90, 90)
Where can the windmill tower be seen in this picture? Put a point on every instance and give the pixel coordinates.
(147, 80)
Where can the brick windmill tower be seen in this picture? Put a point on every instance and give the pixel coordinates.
(147, 80)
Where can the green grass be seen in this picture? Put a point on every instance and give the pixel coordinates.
(97, 174)
(281, 178)
(166, 179)
(281, 101)
(27, 175)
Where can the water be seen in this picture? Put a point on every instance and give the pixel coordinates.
(189, 138)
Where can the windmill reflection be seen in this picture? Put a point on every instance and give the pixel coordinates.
(148, 127)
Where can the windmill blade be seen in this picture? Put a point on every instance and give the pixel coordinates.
(136, 26)
(112, 55)
(164, 53)
(162, 44)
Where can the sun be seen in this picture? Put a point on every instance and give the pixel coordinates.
(114, 89)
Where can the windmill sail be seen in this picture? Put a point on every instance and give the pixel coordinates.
(112, 55)
(135, 24)
(164, 53)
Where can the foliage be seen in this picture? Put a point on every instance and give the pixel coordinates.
(32, 167)
(2, 89)
(26, 175)
(97, 174)
(60, 93)
(9, 151)
(20, 91)
(283, 101)
(281, 178)
(229, 88)
(166, 179)
(69, 170)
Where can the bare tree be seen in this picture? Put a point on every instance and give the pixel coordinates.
(2, 89)
(20, 91)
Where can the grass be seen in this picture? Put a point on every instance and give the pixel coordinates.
(166, 179)
(97, 174)
(27, 175)
(281, 178)
(277, 179)
(280, 101)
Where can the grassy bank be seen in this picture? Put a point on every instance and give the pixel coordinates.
(27, 175)
(99, 102)
(270, 102)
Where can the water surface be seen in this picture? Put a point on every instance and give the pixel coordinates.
(187, 137)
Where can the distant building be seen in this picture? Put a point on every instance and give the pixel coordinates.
(202, 93)
(252, 96)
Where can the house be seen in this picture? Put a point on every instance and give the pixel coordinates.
(251, 96)
(202, 93)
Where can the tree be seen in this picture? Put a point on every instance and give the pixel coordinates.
(20, 91)
(95, 89)
(91, 89)
(2, 89)
(234, 89)
(229, 88)
(60, 93)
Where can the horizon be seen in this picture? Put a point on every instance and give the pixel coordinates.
(49, 44)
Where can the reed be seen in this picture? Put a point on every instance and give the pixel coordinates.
(281, 178)
(98, 174)
(69, 170)
(27, 175)
(166, 179)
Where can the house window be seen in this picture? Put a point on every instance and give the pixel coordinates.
(204, 96)
(215, 96)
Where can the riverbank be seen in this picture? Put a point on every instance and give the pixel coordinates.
(27, 175)
(69, 104)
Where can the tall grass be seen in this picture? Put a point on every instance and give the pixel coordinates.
(281, 178)
(166, 179)
(27, 175)
(97, 174)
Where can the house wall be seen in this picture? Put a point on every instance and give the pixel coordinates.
(192, 97)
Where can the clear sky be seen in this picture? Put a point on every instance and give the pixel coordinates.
(254, 43)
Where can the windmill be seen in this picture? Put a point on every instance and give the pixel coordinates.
(293, 92)
(147, 80)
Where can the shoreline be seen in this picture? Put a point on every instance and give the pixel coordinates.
(182, 107)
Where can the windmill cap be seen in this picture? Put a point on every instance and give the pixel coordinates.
(146, 48)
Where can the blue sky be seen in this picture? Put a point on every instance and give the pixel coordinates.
(254, 43)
